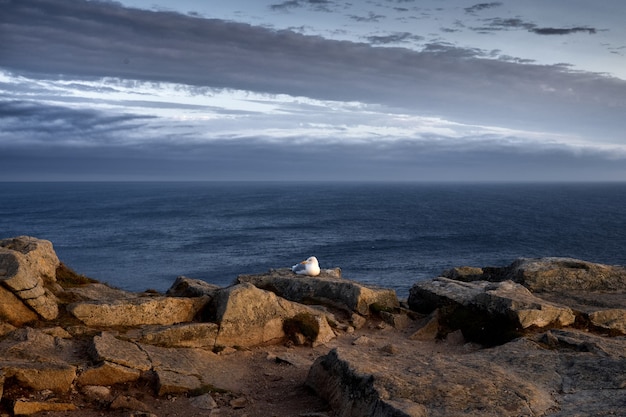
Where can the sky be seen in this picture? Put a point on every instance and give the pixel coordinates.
(313, 90)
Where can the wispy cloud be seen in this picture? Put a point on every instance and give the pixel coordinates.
(400, 37)
(482, 6)
(497, 23)
(317, 5)
(371, 17)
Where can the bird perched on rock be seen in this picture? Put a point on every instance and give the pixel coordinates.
(309, 267)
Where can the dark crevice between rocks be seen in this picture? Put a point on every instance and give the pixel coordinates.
(304, 324)
(477, 326)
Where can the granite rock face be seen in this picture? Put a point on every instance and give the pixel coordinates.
(26, 266)
(249, 316)
(327, 288)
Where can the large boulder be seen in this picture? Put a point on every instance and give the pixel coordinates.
(37, 254)
(551, 274)
(137, 311)
(327, 288)
(249, 316)
(506, 306)
(26, 264)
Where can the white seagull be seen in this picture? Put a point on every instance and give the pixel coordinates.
(309, 267)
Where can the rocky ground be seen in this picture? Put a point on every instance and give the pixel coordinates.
(541, 337)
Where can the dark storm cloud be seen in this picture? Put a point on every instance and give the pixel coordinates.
(70, 39)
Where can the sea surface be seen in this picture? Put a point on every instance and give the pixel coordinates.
(139, 236)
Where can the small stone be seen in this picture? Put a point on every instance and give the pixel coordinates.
(97, 392)
(57, 331)
(358, 321)
(228, 350)
(294, 360)
(128, 403)
(299, 339)
(362, 341)
(429, 329)
(455, 338)
(240, 402)
(203, 402)
(390, 349)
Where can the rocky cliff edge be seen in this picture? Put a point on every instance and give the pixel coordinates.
(540, 337)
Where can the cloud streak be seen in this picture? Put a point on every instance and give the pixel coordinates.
(152, 88)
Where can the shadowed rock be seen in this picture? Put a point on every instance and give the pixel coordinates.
(507, 304)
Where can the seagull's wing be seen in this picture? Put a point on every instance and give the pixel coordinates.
(299, 268)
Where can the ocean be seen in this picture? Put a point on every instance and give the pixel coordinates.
(142, 235)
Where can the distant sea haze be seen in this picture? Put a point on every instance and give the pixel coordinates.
(139, 236)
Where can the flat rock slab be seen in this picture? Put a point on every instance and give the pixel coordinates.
(106, 347)
(138, 311)
(521, 378)
(55, 376)
(324, 289)
(180, 335)
(99, 292)
(184, 369)
(24, 407)
(107, 374)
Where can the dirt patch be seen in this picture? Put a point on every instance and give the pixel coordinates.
(263, 381)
